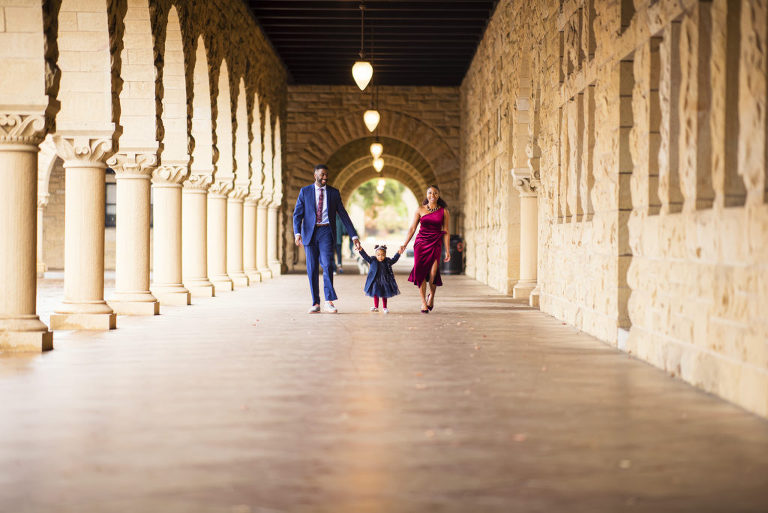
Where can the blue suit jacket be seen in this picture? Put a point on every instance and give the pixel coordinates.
(386, 264)
(305, 212)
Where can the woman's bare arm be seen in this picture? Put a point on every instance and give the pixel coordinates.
(446, 235)
(412, 229)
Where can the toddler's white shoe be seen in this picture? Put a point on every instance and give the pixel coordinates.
(385, 310)
(374, 309)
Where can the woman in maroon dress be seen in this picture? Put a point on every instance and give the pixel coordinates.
(433, 216)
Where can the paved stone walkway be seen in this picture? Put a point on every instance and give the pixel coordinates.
(244, 403)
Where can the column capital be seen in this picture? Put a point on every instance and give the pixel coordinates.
(133, 165)
(42, 200)
(266, 199)
(239, 192)
(526, 182)
(83, 149)
(21, 128)
(221, 187)
(255, 193)
(170, 174)
(277, 199)
(198, 182)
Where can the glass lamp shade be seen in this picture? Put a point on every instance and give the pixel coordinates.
(378, 164)
(380, 185)
(371, 119)
(362, 72)
(376, 150)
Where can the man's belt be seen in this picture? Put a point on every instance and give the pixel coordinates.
(322, 224)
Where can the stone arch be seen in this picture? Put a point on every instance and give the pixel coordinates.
(138, 96)
(394, 125)
(257, 173)
(202, 125)
(361, 170)
(174, 102)
(46, 159)
(225, 170)
(242, 168)
(267, 157)
(277, 166)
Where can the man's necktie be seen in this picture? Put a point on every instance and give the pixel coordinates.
(319, 216)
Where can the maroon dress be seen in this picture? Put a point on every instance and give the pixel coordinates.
(427, 247)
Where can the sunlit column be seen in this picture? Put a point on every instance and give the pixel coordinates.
(194, 263)
(20, 327)
(167, 284)
(261, 239)
(272, 239)
(42, 202)
(217, 235)
(235, 220)
(84, 307)
(528, 187)
(250, 208)
(133, 172)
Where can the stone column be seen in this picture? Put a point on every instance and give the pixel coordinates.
(217, 235)
(84, 307)
(272, 238)
(166, 272)
(261, 239)
(249, 240)
(20, 327)
(235, 220)
(42, 202)
(194, 265)
(528, 186)
(132, 296)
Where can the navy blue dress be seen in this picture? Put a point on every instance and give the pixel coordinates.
(381, 279)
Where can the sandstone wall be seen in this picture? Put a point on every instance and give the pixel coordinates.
(649, 118)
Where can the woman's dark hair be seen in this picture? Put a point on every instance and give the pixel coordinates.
(440, 201)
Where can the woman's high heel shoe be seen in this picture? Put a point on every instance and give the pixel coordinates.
(425, 311)
(429, 307)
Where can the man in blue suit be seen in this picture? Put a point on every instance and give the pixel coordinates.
(314, 225)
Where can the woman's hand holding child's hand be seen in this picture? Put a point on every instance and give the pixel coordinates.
(402, 249)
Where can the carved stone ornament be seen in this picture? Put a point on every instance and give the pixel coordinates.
(255, 192)
(133, 165)
(42, 200)
(198, 182)
(22, 128)
(266, 199)
(277, 199)
(83, 149)
(525, 182)
(170, 174)
(238, 192)
(221, 188)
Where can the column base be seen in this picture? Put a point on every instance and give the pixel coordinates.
(276, 268)
(135, 307)
(533, 300)
(41, 268)
(523, 289)
(265, 274)
(201, 290)
(239, 280)
(253, 276)
(84, 321)
(223, 284)
(26, 341)
(173, 298)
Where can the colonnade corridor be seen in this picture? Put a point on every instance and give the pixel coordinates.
(245, 403)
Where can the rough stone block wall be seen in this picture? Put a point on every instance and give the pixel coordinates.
(651, 145)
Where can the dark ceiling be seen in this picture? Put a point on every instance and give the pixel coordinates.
(422, 42)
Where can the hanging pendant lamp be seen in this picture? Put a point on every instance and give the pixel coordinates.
(371, 119)
(377, 149)
(362, 71)
(378, 164)
(380, 185)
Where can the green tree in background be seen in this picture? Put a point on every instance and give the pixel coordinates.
(385, 212)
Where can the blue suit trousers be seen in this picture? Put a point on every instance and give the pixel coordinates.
(321, 248)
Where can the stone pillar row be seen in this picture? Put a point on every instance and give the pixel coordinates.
(208, 235)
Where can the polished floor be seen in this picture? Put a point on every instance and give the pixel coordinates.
(245, 404)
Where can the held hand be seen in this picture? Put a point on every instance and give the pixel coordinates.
(298, 240)
(357, 244)
(402, 249)
(447, 256)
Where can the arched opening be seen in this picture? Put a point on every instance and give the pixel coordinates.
(241, 139)
(174, 113)
(202, 129)
(224, 140)
(381, 209)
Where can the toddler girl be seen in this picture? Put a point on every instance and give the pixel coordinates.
(381, 279)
